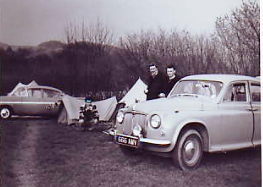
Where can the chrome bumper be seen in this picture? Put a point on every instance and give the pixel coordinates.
(154, 141)
(141, 139)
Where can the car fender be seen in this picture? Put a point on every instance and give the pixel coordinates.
(179, 128)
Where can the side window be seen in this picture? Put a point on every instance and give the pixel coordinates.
(236, 93)
(21, 92)
(50, 94)
(36, 93)
(255, 92)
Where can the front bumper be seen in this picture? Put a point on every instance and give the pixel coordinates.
(140, 139)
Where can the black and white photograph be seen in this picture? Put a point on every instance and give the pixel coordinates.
(130, 93)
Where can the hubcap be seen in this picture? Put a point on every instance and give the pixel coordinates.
(191, 151)
(5, 113)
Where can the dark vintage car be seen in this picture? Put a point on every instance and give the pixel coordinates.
(31, 100)
(202, 113)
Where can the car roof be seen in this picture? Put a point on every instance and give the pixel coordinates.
(43, 87)
(225, 78)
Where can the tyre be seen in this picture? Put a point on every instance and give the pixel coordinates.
(5, 112)
(188, 152)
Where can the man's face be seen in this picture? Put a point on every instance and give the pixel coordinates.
(153, 71)
(170, 72)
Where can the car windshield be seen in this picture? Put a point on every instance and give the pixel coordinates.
(197, 87)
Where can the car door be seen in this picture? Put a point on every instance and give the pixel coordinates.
(33, 104)
(256, 110)
(237, 117)
(15, 100)
(51, 98)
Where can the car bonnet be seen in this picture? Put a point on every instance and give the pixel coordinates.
(175, 104)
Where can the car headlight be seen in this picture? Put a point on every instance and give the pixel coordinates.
(155, 121)
(137, 130)
(120, 117)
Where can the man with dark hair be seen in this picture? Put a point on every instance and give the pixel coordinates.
(171, 79)
(156, 82)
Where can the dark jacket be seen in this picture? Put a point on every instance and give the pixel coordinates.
(156, 86)
(170, 84)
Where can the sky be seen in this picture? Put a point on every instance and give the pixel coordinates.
(31, 22)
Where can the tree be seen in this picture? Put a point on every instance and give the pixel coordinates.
(239, 33)
(87, 46)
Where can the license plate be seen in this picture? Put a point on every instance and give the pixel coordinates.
(129, 141)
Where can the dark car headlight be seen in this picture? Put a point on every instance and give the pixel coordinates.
(120, 117)
(155, 121)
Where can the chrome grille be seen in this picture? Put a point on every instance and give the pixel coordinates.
(132, 119)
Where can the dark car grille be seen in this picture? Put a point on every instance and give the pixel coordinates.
(132, 119)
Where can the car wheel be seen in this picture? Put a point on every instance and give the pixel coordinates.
(189, 150)
(128, 150)
(5, 112)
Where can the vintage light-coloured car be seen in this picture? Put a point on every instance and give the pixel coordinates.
(31, 100)
(202, 113)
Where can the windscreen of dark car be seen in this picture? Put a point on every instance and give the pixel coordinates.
(198, 87)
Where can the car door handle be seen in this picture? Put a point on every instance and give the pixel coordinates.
(252, 109)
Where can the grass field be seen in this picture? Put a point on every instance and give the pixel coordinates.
(41, 153)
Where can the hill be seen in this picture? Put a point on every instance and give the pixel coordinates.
(45, 48)
(53, 44)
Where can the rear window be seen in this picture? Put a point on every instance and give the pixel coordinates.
(255, 92)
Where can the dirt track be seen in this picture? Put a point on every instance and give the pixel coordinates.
(42, 153)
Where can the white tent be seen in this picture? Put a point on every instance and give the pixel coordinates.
(135, 93)
(106, 108)
(33, 83)
(72, 106)
(71, 109)
(19, 85)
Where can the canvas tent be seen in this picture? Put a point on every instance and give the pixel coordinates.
(71, 109)
(19, 85)
(33, 83)
(135, 93)
(106, 108)
(72, 105)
